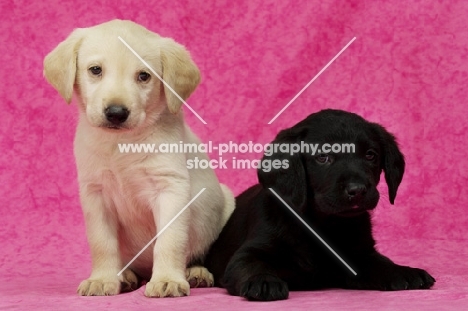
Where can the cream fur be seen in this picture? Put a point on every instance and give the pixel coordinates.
(127, 197)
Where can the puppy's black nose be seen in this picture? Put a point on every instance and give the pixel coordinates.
(116, 114)
(355, 190)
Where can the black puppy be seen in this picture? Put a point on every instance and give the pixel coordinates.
(264, 250)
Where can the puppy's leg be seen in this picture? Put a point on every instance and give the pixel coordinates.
(377, 272)
(249, 275)
(170, 251)
(101, 229)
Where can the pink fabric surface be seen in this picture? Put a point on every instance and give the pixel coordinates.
(407, 69)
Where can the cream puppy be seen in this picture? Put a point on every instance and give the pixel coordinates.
(127, 198)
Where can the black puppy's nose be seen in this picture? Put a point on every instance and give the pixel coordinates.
(355, 190)
(116, 114)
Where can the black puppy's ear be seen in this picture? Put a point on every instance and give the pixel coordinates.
(288, 179)
(393, 161)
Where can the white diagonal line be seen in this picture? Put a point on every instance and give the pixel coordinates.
(162, 230)
(313, 79)
(312, 230)
(159, 77)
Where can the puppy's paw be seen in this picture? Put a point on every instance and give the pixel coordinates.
(396, 278)
(99, 287)
(129, 281)
(409, 278)
(167, 288)
(264, 287)
(198, 276)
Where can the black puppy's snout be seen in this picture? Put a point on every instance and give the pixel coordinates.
(355, 190)
(116, 114)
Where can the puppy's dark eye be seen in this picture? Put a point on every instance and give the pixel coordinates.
(95, 70)
(371, 155)
(144, 76)
(323, 158)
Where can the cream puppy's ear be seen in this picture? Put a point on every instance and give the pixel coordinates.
(60, 64)
(179, 71)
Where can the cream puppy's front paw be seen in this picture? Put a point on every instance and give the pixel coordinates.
(108, 286)
(199, 276)
(99, 287)
(167, 288)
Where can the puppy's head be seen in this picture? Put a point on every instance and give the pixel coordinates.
(336, 182)
(116, 90)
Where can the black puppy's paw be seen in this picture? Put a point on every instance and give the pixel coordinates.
(402, 278)
(264, 287)
(397, 278)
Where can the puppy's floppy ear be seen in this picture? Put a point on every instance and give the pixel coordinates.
(289, 181)
(393, 161)
(60, 64)
(179, 71)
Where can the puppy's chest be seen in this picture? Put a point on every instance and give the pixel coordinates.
(308, 252)
(126, 191)
(114, 184)
(127, 182)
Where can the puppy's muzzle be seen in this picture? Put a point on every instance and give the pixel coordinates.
(116, 114)
(355, 191)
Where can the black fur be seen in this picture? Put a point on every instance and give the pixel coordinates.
(264, 251)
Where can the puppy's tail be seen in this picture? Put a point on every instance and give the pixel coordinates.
(229, 204)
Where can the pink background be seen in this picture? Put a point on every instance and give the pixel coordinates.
(407, 69)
